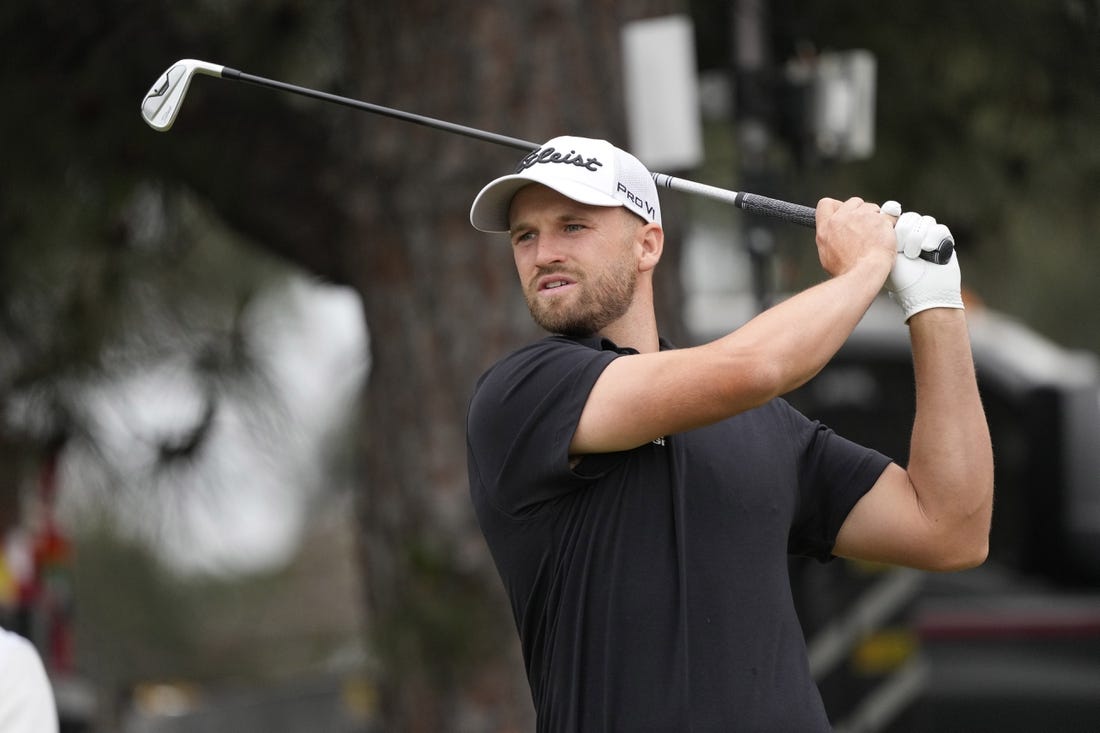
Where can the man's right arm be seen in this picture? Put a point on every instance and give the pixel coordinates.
(642, 397)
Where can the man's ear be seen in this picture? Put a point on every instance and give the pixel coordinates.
(653, 244)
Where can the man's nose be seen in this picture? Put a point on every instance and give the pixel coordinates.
(548, 250)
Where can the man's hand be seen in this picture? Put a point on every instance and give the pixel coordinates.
(853, 233)
(917, 284)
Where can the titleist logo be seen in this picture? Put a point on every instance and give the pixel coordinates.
(550, 155)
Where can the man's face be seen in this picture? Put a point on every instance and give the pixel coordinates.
(577, 263)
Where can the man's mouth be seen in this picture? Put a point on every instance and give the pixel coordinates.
(553, 282)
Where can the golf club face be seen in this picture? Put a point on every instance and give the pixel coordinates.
(163, 100)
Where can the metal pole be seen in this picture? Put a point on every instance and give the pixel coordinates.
(751, 66)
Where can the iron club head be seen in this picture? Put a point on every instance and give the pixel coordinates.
(162, 103)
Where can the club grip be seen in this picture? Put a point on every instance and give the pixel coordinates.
(777, 209)
(805, 216)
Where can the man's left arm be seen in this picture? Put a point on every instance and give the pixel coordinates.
(936, 513)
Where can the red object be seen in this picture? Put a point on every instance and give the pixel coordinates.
(50, 595)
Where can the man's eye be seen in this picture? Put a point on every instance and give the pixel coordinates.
(523, 237)
(574, 227)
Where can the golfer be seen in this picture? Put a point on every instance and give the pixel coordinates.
(640, 501)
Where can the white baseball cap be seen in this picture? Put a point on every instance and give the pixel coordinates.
(589, 171)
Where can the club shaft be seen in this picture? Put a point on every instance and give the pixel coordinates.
(162, 103)
(416, 119)
(763, 205)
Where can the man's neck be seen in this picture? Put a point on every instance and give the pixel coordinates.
(636, 332)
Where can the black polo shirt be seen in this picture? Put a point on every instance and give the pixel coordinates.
(650, 587)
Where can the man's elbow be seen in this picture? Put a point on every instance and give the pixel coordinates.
(960, 552)
(965, 558)
(962, 541)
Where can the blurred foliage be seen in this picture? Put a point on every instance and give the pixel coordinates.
(107, 266)
(143, 629)
(156, 625)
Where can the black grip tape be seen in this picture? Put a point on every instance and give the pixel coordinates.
(776, 209)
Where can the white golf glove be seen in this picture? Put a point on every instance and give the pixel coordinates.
(916, 284)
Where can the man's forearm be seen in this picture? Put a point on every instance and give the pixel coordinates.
(951, 456)
(801, 334)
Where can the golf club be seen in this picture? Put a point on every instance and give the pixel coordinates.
(162, 104)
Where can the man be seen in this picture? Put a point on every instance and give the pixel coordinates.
(640, 501)
(26, 698)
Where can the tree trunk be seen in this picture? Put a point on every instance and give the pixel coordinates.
(442, 303)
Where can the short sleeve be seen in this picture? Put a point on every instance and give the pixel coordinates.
(834, 474)
(521, 420)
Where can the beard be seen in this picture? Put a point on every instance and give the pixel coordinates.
(600, 303)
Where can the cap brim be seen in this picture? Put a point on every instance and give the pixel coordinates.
(490, 211)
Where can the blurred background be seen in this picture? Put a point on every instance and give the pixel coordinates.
(235, 357)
